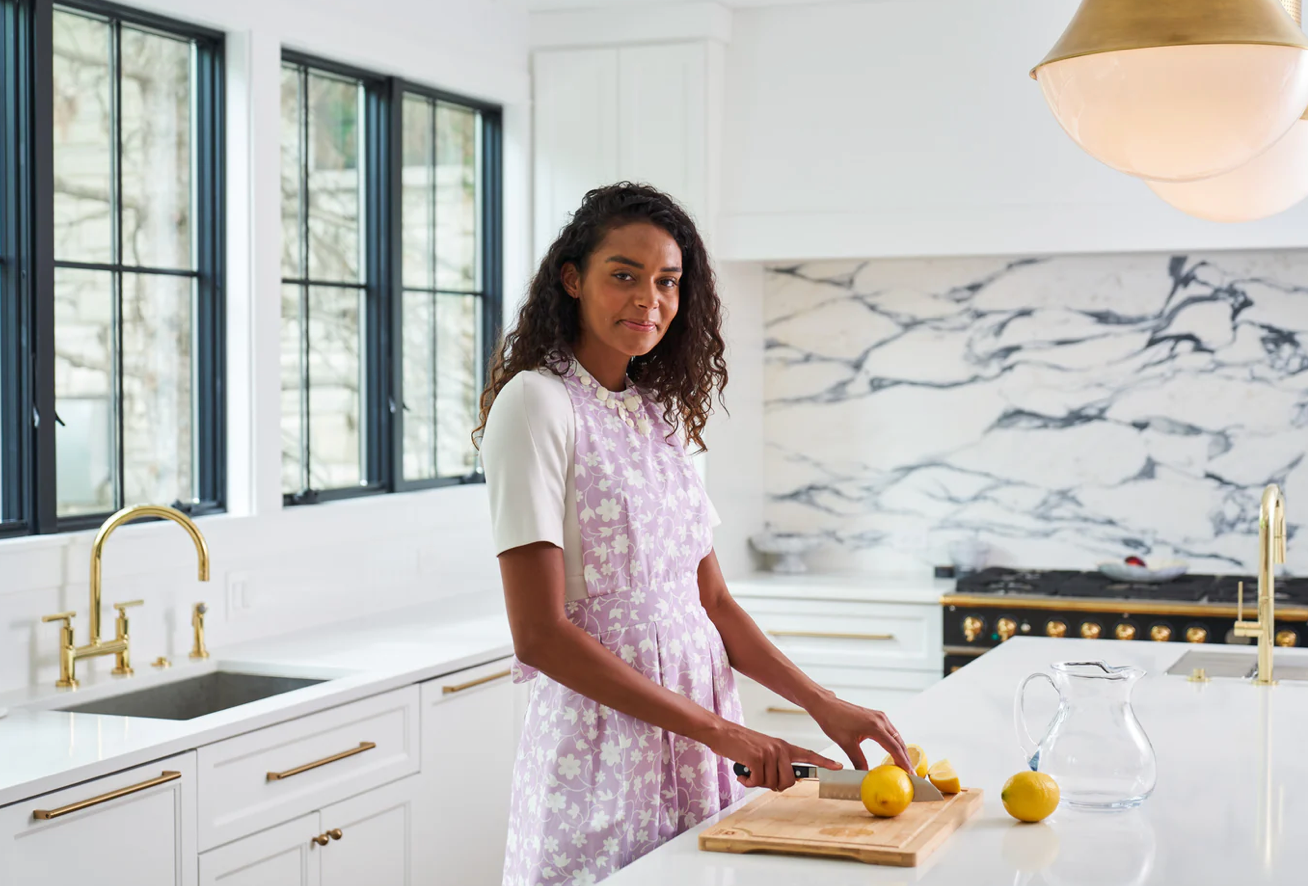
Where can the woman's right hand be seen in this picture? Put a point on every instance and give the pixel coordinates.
(768, 759)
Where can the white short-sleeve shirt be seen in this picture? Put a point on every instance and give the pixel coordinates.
(527, 452)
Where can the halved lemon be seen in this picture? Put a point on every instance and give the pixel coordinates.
(944, 777)
(916, 756)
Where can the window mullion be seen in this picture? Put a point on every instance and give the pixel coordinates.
(39, 168)
(303, 120)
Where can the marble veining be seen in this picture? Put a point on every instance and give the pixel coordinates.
(1062, 409)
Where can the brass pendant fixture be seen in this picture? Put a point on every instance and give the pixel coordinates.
(1177, 90)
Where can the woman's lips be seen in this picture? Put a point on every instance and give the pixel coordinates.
(638, 326)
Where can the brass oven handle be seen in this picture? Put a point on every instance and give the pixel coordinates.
(47, 814)
(363, 746)
(459, 687)
(773, 710)
(830, 635)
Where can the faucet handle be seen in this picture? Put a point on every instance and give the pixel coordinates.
(65, 617)
(121, 607)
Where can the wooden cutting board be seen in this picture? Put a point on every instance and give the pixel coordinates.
(798, 822)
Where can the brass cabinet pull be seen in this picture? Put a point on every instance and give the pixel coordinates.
(498, 675)
(336, 833)
(363, 746)
(787, 711)
(47, 814)
(320, 840)
(831, 635)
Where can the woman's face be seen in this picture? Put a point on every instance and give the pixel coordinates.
(630, 290)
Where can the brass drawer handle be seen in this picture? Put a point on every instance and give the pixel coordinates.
(47, 814)
(831, 635)
(498, 675)
(363, 746)
(787, 711)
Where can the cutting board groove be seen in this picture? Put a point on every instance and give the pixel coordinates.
(798, 822)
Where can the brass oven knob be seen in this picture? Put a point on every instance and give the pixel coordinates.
(1287, 638)
(1196, 634)
(1160, 633)
(1090, 630)
(972, 627)
(1124, 631)
(1056, 629)
(1006, 628)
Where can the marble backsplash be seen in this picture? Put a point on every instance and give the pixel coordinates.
(1062, 410)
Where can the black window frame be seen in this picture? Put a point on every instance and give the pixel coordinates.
(384, 282)
(27, 198)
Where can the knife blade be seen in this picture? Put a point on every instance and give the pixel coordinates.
(846, 784)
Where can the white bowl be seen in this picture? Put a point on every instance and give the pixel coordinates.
(1163, 570)
(787, 548)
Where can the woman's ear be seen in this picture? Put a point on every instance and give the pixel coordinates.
(571, 279)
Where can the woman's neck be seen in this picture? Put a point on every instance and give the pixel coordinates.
(607, 366)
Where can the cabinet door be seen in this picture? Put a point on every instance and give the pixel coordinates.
(468, 749)
(284, 855)
(136, 826)
(375, 845)
(576, 135)
(662, 121)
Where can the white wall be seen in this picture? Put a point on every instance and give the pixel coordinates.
(902, 127)
(298, 567)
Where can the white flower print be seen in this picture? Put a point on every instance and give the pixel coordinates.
(608, 509)
(621, 543)
(551, 844)
(628, 653)
(569, 767)
(599, 819)
(611, 845)
(578, 839)
(589, 715)
(590, 573)
(560, 860)
(609, 754)
(555, 802)
(584, 877)
(635, 477)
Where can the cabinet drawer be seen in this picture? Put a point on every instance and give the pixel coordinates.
(827, 632)
(136, 826)
(272, 775)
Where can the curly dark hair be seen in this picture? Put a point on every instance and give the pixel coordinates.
(683, 370)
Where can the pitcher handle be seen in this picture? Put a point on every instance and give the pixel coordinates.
(1030, 747)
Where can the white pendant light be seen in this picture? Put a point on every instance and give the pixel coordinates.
(1270, 183)
(1177, 90)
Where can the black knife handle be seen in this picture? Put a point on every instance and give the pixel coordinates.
(801, 770)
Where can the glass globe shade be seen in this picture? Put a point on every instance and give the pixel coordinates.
(1270, 183)
(1178, 113)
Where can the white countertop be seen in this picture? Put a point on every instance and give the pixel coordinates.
(41, 750)
(844, 586)
(1204, 824)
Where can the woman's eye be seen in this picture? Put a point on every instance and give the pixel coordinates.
(670, 282)
(623, 275)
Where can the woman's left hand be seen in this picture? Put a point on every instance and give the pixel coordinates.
(848, 725)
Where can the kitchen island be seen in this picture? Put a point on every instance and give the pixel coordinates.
(1231, 804)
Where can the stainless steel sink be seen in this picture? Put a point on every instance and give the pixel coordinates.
(193, 697)
(1240, 665)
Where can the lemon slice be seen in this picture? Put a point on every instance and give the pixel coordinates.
(916, 756)
(944, 777)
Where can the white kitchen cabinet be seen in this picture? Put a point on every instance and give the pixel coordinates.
(253, 781)
(284, 855)
(367, 839)
(632, 112)
(132, 827)
(471, 721)
(877, 652)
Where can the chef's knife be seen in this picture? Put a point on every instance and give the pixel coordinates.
(846, 784)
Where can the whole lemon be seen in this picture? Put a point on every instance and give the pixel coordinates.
(1030, 796)
(886, 791)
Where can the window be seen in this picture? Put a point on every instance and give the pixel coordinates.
(390, 288)
(121, 113)
(14, 403)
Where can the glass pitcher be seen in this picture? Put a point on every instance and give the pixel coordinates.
(1094, 747)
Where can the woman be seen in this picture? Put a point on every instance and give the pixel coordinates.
(615, 599)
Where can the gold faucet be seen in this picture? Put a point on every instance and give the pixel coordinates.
(120, 646)
(1271, 551)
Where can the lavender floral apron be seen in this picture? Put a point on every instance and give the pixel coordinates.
(595, 789)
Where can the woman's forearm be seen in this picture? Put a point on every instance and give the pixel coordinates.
(569, 655)
(755, 656)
